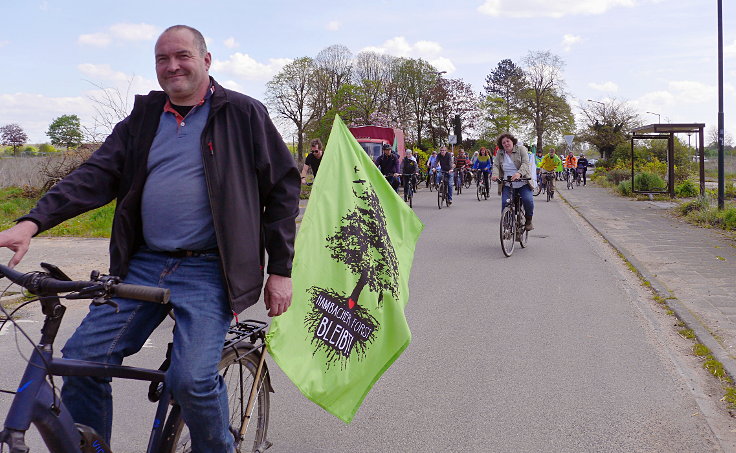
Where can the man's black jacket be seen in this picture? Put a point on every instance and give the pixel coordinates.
(252, 181)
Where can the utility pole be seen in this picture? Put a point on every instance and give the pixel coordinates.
(721, 132)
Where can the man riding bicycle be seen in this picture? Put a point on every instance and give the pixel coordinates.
(583, 167)
(548, 166)
(388, 163)
(431, 163)
(194, 205)
(445, 164)
(409, 170)
(571, 165)
(461, 162)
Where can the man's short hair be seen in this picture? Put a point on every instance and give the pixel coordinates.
(316, 142)
(198, 38)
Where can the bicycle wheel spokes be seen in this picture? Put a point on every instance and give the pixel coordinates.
(238, 373)
(508, 233)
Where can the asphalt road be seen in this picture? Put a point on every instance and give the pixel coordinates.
(555, 349)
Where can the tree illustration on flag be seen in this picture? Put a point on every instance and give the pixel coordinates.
(353, 256)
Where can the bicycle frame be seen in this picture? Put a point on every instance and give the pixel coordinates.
(36, 403)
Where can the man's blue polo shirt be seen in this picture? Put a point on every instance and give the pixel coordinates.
(175, 207)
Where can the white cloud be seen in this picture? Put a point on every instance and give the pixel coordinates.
(125, 32)
(233, 85)
(549, 8)
(34, 112)
(101, 72)
(333, 25)
(730, 49)
(608, 87)
(427, 50)
(245, 66)
(94, 39)
(134, 32)
(443, 64)
(688, 91)
(568, 40)
(398, 46)
(231, 43)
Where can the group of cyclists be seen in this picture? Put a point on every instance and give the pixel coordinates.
(550, 167)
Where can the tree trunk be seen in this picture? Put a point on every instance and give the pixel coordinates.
(299, 146)
(359, 286)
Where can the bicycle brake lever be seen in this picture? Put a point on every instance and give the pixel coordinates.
(55, 272)
(102, 301)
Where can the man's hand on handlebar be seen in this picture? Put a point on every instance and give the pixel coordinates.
(516, 176)
(18, 239)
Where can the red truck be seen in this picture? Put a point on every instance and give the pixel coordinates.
(371, 138)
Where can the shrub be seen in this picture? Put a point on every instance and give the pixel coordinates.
(616, 175)
(699, 204)
(729, 218)
(624, 188)
(686, 189)
(649, 182)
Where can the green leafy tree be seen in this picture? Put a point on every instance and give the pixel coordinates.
(65, 131)
(13, 135)
(503, 86)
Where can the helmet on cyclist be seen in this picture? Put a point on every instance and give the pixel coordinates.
(386, 146)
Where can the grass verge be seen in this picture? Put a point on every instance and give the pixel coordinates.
(16, 202)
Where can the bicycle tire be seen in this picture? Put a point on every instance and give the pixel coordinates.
(468, 181)
(549, 194)
(238, 371)
(538, 190)
(521, 232)
(479, 191)
(507, 231)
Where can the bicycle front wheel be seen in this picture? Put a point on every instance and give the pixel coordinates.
(440, 195)
(508, 231)
(521, 231)
(238, 368)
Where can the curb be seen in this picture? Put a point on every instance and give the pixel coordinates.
(690, 319)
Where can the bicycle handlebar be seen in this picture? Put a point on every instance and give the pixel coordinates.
(99, 285)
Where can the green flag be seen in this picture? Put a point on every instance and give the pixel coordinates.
(353, 256)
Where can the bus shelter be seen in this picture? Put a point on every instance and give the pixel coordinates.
(667, 132)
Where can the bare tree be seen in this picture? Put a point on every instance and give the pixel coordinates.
(372, 73)
(543, 101)
(289, 92)
(606, 125)
(111, 106)
(454, 101)
(416, 81)
(13, 135)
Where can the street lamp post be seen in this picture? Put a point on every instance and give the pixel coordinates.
(659, 118)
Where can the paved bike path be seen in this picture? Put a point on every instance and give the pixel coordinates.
(695, 265)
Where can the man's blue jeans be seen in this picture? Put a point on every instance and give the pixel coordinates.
(202, 315)
(527, 198)
(448, 180)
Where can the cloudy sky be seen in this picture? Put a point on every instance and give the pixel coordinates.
(660, 55)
